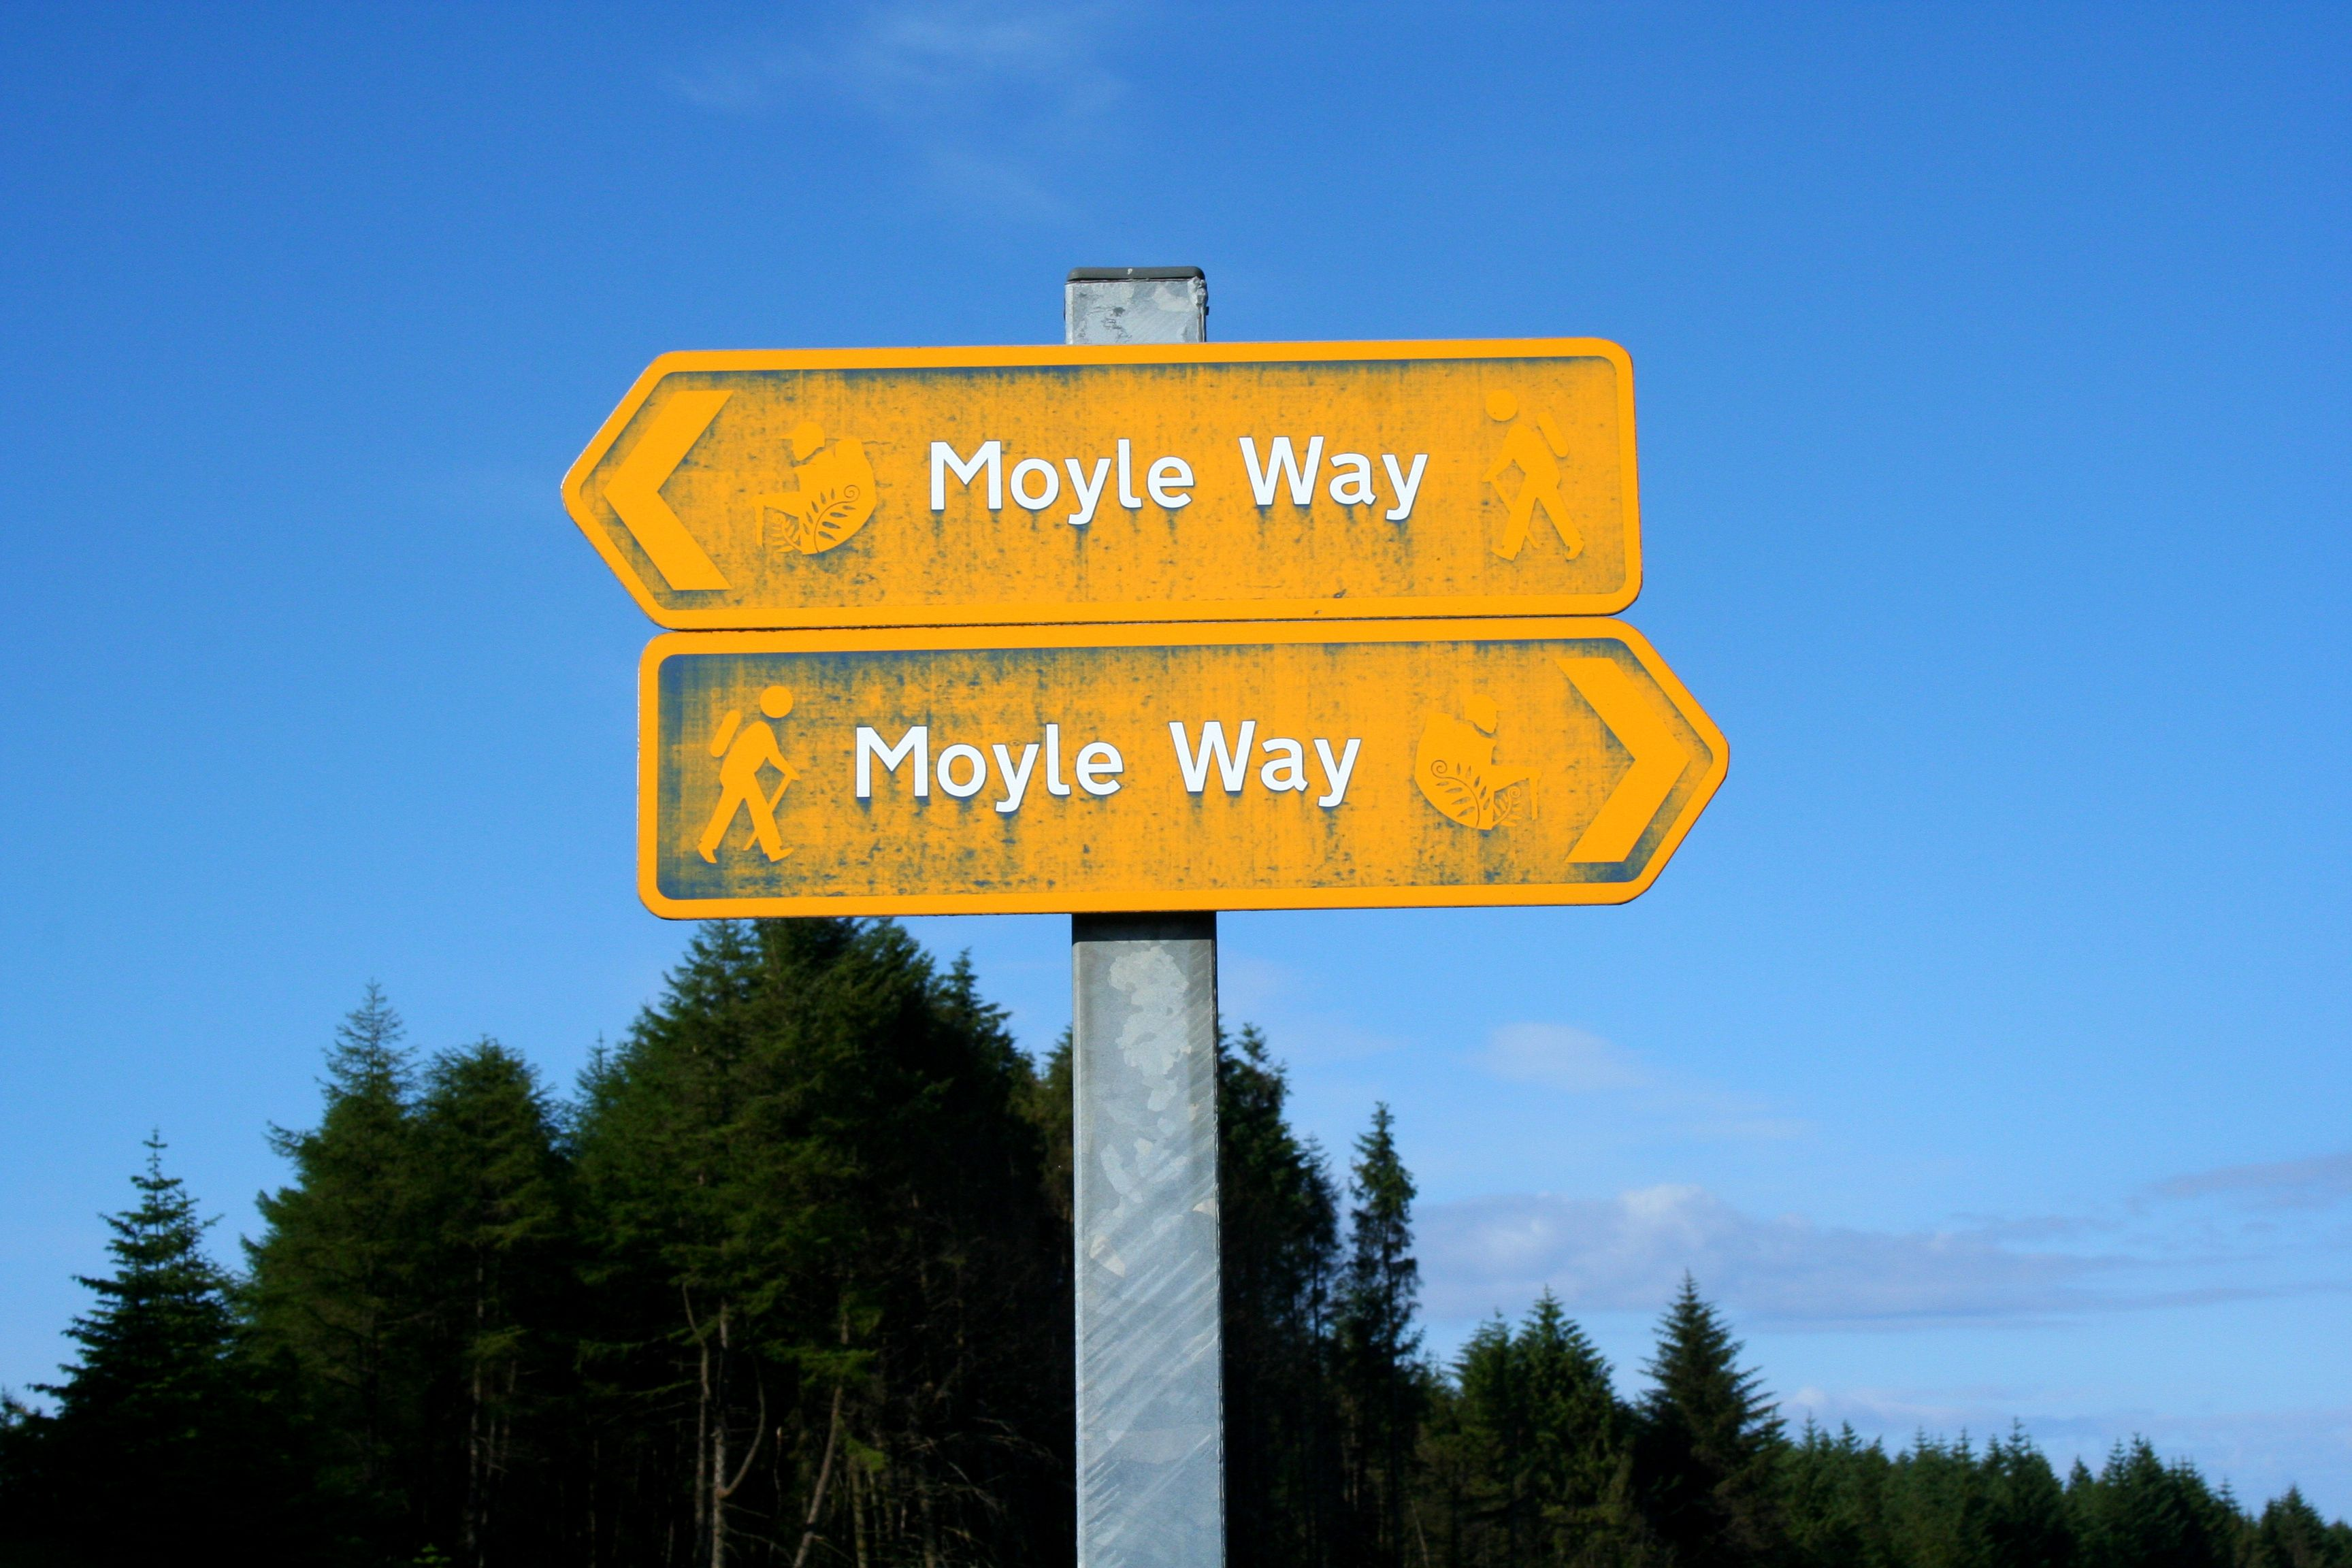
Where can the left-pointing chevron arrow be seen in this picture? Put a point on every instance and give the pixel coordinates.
(635, 490)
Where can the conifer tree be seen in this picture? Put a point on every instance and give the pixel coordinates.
(1052, 1109)
(1470, 1433)
(2291, 1535)
(2143, 1511)
(826, 1247)
(791, 1283)
(2025, 1508)
(1834, 1500)
(334, 1277)
(1709, 1445)
(1534, 1443)
(493, 1192)
(1379, 1347)
(1278, 1234)
(1581, 1462)
(158, 1444)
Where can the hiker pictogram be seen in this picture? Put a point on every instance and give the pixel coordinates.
(1455, 766)
(1534, 445)
(744, 750)
(836, 493)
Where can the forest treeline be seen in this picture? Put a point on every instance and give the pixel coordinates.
(787, 1281)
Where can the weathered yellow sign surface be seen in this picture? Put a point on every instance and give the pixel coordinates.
(1174, 483)
(1163, 767)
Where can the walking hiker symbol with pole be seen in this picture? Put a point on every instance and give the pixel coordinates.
(746, 749)
(1535, 448)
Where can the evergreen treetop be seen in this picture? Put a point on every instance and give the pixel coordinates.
(152, 1351)
(1711, 1442)
(162, 1442)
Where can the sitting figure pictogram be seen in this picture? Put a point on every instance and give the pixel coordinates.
(1455, 766)
(836, 493)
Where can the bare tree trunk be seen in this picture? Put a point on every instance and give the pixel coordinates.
(858, 1503)
(471, 1534)
(823, 1474)
(718, 1453)
(721, 1488)
(701, 1417)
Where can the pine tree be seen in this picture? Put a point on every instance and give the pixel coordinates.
(1279, 1237)
(1834, 1500)
(1709, 1446)
(828, 1271)
(1052, 1109)
(2291, 1535)
(2025, 1516)
(1379, 1348)
(1533, 1446)
(2143, 1513)
(159, 1443)
(494, 1262)
(1582, 1461)
(334, 1285)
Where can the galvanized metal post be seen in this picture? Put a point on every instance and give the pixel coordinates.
(1152, 1484)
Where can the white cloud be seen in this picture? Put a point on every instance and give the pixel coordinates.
(1247, 985)
(1630, 1251)
(1577, 1061)
(1572, 1060)
(984, 93)
(2282, 1232)
(917, 60)
(1287, 1003)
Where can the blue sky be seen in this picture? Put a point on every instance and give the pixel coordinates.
(1984, 1052)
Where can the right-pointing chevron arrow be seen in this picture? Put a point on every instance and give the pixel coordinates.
(1658, 760)
(635, 490)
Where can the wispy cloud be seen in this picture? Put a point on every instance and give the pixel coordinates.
(1629, 1253)
(2164, 1247)
(1578, 1062)
(1574, 1062)
(1291, 1005)
(2286, 1184)
(984, 93)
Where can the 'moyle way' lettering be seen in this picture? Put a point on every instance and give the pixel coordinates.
(1284, 771)
(1036, 484)
(962, 770)
(1352, 476)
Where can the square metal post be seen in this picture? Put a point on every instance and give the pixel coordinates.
(1151, 1438)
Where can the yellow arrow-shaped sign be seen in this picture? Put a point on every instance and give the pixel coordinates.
(1120, 483)
(635, 490)
(1163, 767)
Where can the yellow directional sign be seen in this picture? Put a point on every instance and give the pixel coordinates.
(1163, 767)
(1168, 482)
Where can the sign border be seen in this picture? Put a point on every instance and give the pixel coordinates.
(740, 618)
(1190, 635)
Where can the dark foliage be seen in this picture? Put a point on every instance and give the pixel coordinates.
(826, 1264)
(1708, 1446)
(164, 1435)
(789, 1282)
(1280, 1238)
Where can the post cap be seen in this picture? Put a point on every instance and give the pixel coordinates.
(1133, 274)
